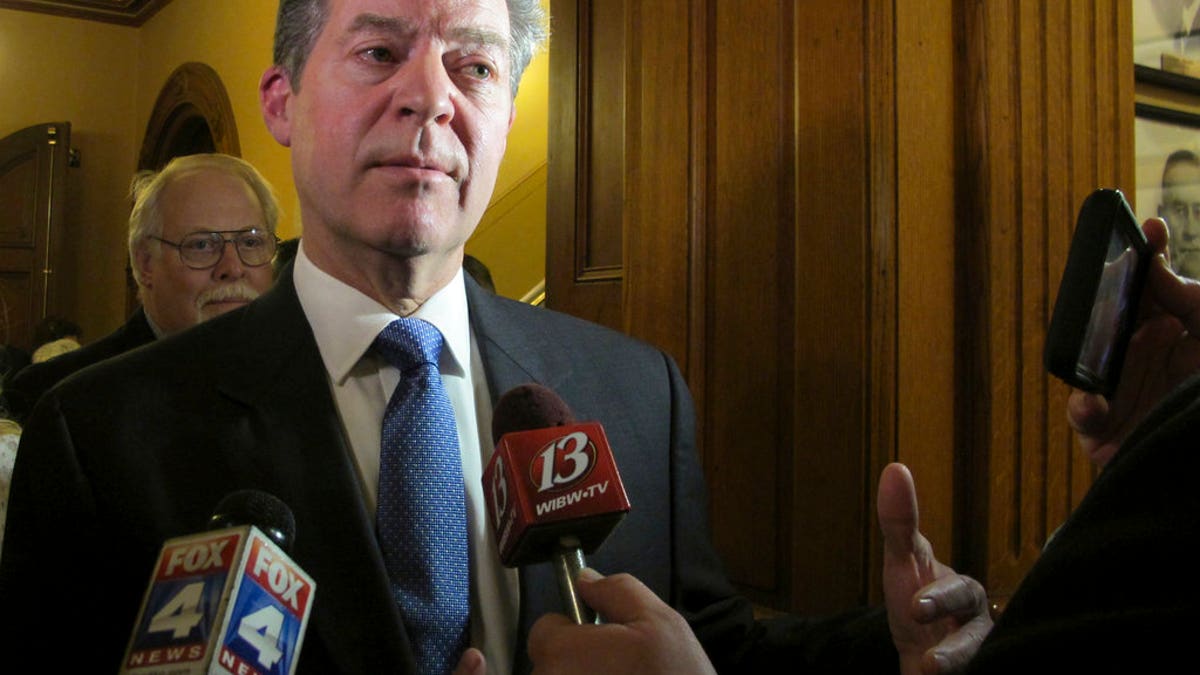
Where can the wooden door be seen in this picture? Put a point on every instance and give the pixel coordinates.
(33, 170)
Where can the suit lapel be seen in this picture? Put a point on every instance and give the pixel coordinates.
(284, 382)
(513, 354)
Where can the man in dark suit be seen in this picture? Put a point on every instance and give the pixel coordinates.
(396, 113)
(190, 198)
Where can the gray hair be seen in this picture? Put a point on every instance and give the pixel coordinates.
(299, 22)
(147, 188)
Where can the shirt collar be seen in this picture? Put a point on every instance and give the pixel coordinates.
(153, 326)
(345, 321)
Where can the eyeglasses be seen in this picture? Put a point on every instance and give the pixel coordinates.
(202, 250)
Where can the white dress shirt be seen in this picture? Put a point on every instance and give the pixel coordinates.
(345, 322)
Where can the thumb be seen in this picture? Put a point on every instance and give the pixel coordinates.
(897, 510)
(471, 663)
(1157, 234)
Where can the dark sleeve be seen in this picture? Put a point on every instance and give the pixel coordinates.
(1114, 590)
(57, 566)
(12, 360)
(857, 641)
(17, 399)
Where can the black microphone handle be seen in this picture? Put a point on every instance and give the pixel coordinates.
(568, 561)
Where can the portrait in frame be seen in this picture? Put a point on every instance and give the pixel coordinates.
(1167, 166)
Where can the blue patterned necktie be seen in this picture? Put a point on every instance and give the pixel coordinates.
(422, 514)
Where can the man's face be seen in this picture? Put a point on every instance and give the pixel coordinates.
(177, 297)
(397, 126)
(1181, 209)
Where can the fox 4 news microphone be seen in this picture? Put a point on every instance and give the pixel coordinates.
(552, 488)
(228, 600)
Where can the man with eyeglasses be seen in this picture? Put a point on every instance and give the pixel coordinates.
(201, 240)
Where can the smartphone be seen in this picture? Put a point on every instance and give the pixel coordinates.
(1097, 304)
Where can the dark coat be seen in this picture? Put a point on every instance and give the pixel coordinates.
(1114, 591)
(27, 385)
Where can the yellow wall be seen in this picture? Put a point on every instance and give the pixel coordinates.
(54, 69)
(105, 79)
(511, 238)
(234, 37)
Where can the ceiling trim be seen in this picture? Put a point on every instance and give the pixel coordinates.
(124, 12)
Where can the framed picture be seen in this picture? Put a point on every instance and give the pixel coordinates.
(1157, 134)
(1167, 175)
(1166, 35)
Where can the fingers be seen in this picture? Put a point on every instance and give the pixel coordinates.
(956, 650)
(897, 510)
(954, 596)
(642, 634)
(620, 598)
(1087, 413)
(549, 642)
(962, 600)
(1176, 295)
(471, 663)
(929, 605)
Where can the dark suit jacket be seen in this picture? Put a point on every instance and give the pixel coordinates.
(1115, 590)
(28, 384)
(243, 401)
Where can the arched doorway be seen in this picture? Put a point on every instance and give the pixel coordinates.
(191, 115)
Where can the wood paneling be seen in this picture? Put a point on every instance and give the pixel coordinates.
(918, 120)
(830, 274)
(1047, 119)
(744, 449)
(626, 179)
(846, 221)
(586, 214)
(665, 196)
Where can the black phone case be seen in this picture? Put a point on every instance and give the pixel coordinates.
(1102, 212)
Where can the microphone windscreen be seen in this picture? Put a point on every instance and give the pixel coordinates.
(529, 406)
(260, 509)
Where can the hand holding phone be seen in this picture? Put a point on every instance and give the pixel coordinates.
(1097, 302)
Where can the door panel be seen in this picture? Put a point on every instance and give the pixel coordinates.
(33, 169)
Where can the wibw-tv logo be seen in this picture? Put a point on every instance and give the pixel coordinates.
(539, 482)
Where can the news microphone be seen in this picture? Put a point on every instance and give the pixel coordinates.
(228, 600)
(552, 488)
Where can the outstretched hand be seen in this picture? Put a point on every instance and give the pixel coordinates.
(1163, 351)
(937, 616)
